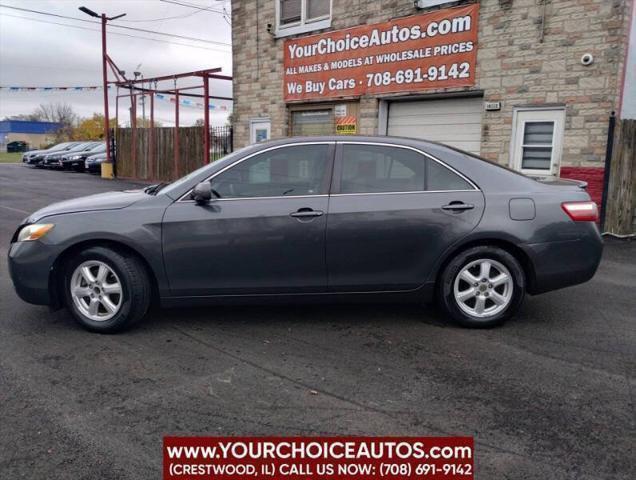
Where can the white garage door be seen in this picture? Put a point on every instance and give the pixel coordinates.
(453, 121)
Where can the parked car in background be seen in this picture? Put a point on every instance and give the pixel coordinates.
(318, 218)
(29, 156)
(38, 157)
(74, 160)
(93, 164)
(17, 146)
(54, 160)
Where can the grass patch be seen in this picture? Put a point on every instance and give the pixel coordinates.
(13, 157)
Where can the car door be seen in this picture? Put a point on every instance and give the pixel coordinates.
(392, 212)
(266, 232)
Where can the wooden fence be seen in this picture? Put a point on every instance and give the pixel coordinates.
(137, 158)
(620, 217)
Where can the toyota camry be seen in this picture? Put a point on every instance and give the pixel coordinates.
(320, 218)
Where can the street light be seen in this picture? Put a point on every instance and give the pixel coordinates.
(137, 75)
(104, 19)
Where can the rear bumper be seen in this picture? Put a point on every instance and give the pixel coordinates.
(30, 265)
(565, 263)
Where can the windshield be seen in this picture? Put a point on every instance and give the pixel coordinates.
(59, 146)
(79, 147)
(98, 148)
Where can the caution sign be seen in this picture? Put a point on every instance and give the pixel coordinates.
(346, 125)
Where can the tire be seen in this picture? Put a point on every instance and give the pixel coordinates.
(124, 273)
(486, 303)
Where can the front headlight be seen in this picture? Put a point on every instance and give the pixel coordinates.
(76, 157)
(34, 232)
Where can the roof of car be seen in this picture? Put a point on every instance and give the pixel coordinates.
(349, 138)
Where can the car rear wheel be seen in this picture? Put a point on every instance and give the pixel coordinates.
(482, 287)
(106, 290)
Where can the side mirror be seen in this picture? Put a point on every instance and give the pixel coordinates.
(202, 192)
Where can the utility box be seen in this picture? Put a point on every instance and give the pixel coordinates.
(107, 170)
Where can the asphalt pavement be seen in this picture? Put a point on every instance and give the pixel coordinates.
(548, 395)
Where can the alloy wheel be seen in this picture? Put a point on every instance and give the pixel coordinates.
(96, 290)
(483, 288)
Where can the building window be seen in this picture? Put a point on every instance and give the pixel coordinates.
(260, 130)
(537, 141)
(300, 16)
(312, 122)
(290, 11)
(324, 119)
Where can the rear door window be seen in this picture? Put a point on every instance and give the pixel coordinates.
(378, 168)
(440, 178)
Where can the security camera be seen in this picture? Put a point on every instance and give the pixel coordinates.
(587, 59)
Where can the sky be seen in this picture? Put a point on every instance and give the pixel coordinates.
(38, 54)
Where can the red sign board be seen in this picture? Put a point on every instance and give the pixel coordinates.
(324, 458)
(428, 51)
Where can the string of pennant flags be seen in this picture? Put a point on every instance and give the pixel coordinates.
(48, 89)
(184, 102)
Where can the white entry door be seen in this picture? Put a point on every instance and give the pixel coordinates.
(537, 141)
(260, 130)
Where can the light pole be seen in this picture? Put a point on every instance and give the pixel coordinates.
(138, 74)
(104, 19)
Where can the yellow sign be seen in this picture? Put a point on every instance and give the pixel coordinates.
(346, 125)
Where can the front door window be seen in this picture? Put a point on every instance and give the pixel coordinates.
(281, 172)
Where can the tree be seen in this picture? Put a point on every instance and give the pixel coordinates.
(31, 117)
(90, 128)
(56, 112)
(60, 113)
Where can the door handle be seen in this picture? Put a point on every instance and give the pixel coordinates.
(458, 206)
(306, 213)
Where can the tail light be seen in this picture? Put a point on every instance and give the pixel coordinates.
(581, 211)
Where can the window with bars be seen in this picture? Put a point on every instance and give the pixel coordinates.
(537, 145)
(537, 140)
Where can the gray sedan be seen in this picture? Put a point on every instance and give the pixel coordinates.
(320, 218)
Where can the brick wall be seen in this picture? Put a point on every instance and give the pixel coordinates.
(592, 175)
(520, 62)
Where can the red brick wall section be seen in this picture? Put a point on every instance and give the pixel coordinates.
(592, 175)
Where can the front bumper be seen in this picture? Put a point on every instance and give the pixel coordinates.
(30, 267)
(68, 164)
(52, 163)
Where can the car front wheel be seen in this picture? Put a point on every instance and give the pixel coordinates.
(106, 290)
(482, 287)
